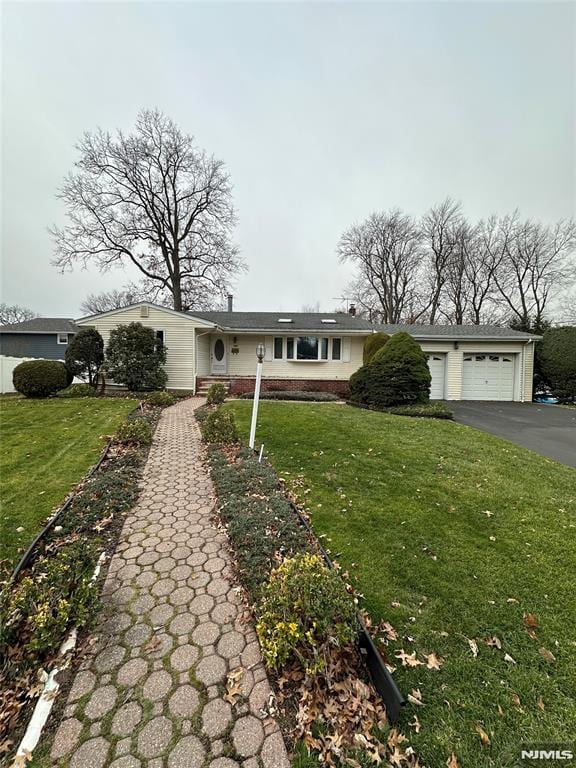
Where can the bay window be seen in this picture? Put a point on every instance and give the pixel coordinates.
(307, 348)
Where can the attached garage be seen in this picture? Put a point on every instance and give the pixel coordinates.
(437, 366)
(488, 376)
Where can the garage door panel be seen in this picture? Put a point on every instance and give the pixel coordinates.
(488, 377)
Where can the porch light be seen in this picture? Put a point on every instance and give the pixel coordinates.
(260, 352)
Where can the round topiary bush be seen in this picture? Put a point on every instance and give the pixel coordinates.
(373, 344)
(219, 426)
(400, 375)
(216, 394)
(40, 378)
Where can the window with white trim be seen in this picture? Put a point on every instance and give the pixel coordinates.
(307, 348)
(62, 338)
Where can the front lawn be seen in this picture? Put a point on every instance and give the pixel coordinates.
(47, 446)
(458, 539)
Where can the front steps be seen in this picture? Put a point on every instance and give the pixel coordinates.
(205, 382)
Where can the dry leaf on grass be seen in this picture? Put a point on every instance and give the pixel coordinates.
(415, 723)
(509, 658)
(408, 659)
(433, 662)
(530, 621)
(484, 738)
(493, 642)
(452, 761)
(546, 654)
(473, 647)
(540, 704)
(415, 697)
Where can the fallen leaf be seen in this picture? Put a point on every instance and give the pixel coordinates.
(493, 642)
(509, 658)
(408, 659)
(546, 654)
(473, 647)
(416, 697)
(433, 662)
(484, 738)
(452, 761)
(416, 724)
(540, 704)
(233, 689)
(500, 711)
(530, 621)
(152, 644)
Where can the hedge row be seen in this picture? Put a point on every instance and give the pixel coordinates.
(319, 397)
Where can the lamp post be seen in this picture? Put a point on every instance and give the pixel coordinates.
(260, 352)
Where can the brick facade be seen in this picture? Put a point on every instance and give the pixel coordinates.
(240, 385)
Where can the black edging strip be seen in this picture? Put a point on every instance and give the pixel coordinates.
(27, 556)
(380, 675)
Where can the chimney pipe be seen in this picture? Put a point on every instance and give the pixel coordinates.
(352, 310)
(230, 298)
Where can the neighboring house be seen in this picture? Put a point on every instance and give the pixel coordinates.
(45, 338)
(321, 351)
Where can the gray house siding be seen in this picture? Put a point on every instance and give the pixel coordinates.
(40, 345)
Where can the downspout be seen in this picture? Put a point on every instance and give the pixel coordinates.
(523, 375)
(197, 336)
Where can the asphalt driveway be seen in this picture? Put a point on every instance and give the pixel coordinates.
(546, 429)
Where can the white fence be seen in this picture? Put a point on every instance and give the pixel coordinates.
(7, 365)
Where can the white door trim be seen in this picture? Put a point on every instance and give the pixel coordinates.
(218, 356)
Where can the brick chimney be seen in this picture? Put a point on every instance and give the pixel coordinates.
(352, 310)
(230, 298)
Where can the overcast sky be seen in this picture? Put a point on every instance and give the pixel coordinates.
(323, 113)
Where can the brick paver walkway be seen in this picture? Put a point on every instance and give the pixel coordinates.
(152, 694)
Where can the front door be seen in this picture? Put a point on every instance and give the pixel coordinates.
(218, 356)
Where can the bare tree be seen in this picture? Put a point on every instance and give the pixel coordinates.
(152, 199)
(13, 313)
(440, 228)
(95, 303)
(470, 292)
(538, 265)
(386, 250)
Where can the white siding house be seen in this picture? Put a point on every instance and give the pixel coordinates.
(322, 351)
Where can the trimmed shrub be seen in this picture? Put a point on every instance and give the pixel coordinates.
(162, 399)
(219, 426)
(40, 378)
(372, 344)
(60, 593)
(135, 358)
(556, 356)
(216, 394)
(311, 396)
(135, 432)
(304, 609)
(259, 518)
(85, 355)
(78, 390)
(433, 410)
(399, 376)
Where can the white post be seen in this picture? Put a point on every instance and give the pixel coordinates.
(255, 403)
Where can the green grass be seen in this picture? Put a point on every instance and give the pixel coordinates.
(47, 446)
(401, 503)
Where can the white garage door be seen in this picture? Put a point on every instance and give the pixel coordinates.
(488, 377)
(437, 365)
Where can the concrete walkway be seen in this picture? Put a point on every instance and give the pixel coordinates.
(153, 694)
